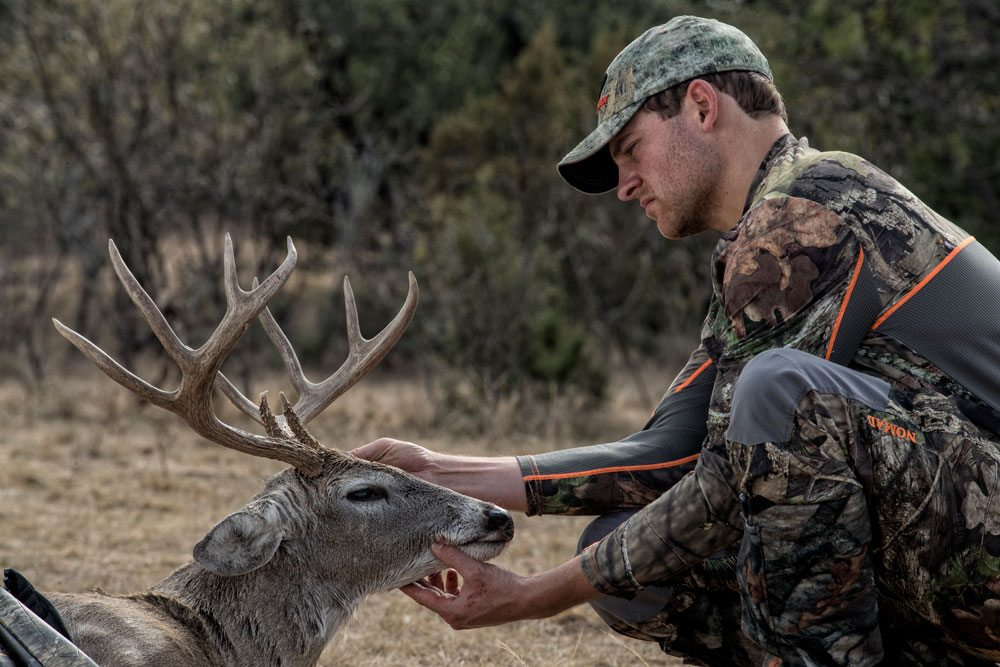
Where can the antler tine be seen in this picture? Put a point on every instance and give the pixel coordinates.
(279, 339)
(237, 398)
(113, 369)
(192, 400)
(175, 349)
(363, 354)
(242, 307)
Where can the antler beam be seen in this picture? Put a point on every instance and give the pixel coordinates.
(192, 400)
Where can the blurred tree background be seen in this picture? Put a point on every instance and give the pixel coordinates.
(388, 135)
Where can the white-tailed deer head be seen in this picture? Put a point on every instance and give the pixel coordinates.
(315, 541)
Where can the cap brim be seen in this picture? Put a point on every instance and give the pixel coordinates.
(589, 167)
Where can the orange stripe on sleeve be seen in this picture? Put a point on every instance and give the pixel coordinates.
(920, 285)
(705, 365)
(847, 298)
(598, 471)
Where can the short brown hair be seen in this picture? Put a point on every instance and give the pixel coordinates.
(754, 92)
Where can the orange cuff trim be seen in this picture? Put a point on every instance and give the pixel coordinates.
(920, 285)
(694, 375)
(599, 471)
(847, 299)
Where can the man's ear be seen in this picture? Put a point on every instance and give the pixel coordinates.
(240, 543)
(704, 101)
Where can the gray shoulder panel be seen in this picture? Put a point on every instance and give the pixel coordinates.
(770, 387)
(953, 321)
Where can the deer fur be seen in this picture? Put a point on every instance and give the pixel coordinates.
(271, 583)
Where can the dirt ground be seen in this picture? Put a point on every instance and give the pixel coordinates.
(98, 490)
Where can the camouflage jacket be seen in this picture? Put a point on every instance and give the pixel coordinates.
(782, 277)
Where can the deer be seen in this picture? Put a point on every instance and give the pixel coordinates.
(271, 583)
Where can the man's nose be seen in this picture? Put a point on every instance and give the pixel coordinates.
(628, 184)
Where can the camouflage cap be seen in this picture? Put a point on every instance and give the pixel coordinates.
(684, 48)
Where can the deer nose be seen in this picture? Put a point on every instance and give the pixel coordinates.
(499, 520)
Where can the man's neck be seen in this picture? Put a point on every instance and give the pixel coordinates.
(745, 148)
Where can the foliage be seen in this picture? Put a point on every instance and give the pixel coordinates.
(394, 134)
(910, 86)
(495, 156)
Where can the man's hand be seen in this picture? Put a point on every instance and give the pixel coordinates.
(491, 595)
(407, 456)
(495, 479)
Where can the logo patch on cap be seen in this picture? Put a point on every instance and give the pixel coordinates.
(602, 102)
(620, 95)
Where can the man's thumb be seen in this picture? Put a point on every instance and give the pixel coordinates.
(373, 451)
(454, 557)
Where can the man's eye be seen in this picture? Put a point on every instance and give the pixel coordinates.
(365, 494)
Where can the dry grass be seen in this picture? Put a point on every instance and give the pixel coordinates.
(97, 490)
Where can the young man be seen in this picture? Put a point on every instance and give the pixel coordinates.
(839, 420)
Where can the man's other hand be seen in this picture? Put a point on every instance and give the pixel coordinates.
(490, 595)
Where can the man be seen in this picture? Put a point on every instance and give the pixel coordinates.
(838, 422)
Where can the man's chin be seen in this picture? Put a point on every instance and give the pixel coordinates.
(675, 231)
(667, 231)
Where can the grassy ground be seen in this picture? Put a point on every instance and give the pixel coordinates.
(98, 490)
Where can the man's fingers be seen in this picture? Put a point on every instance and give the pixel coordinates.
(420, 583)
(441, 603)
(451, 583)
(444, 581)
(433, 598)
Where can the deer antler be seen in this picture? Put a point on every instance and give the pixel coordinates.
(192, 400)
(363, 355)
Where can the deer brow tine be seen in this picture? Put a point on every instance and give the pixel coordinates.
(236, 397)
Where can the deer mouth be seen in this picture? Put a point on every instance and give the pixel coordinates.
(489, 538)
(483, 550)
(487, 547)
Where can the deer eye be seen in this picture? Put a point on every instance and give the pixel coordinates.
(366, 494)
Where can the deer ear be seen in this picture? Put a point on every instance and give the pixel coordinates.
(238, 544)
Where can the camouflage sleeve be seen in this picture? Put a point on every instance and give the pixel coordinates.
(633, 472)
(783, 280)
(693, 520)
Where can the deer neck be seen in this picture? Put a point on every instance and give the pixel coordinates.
(278, 613)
